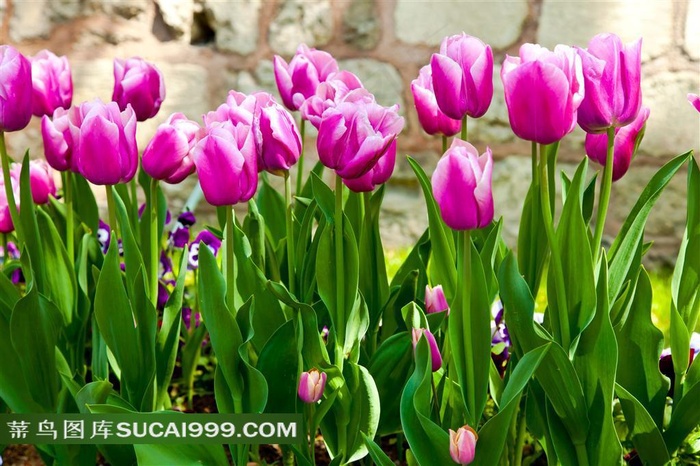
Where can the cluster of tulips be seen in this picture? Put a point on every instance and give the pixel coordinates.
(295, 302)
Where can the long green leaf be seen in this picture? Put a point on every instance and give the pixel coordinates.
(685, 418)
(645, 435)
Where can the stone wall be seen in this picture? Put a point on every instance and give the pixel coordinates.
(206, 47)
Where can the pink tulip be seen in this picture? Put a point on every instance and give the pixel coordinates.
(612, 75)
(330, 93)
(58, 141)
(435, 357)
(298, 80)
(462, 186)
(52, 83)
(104, 142)
(6, 225)
(430, 117)
(463, 445)
(277, 139)
(168, 156)
(40, 180)
(463, 76)
(627, 140)
(354, 135)
(226, 164)
(139, 83)
(435, 300)
(238, 108)
(15, 89)
(379, 174)
(543, 91)
(694, 100)
(311, 385)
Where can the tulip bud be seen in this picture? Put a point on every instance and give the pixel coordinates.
(167, 157)
(435, 357)
(298, 80)
(104, 142)
(463, 76)
(379, 174)
(311, 385)
(139, 83)
(543, 91)
(40, 180)
(435, 300)
(6, 225)
(15, 89)
(238, 108)
(58, 141)
(226, 164)
(354, 135)
(330, 93)
(52, 83)
(431, 118)
(463, 445)
(694, 100)
(277, 139)
(627, 140)
(462, 187)
(612, 76)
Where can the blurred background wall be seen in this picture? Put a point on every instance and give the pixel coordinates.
(207, 47)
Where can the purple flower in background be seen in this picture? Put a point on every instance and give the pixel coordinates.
(187, 315)
(209, 240)
(166, 264)
(163, 295)
(500, 338)
(12, 253)
(181, 235)
(103, 236)
(666, 360)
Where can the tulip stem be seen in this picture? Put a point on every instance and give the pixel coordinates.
(605, 188)
(561, 332)
(291, 255)
(444, 144)
(111, 209)
(12, 204)
(70, 241)
(300, 163)
(520, 439)
(339, 276)
(154, 241)
(230, 269)
(5, 253)
(464, 128)
(135, 210)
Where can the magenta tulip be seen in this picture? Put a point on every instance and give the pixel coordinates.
(431, 118)
(462, 186)
(6, 225)
(58, 141)
(104, 142)
(226, 164)
(435, 357)
(543, 91)
(463, 76)
(298, 80)
(168, 156)
(277, 139)
(612, 75)
(627, 140)
(311, 385)
(379, 174)
(40, 180)
(435, 300)
(694, 100)
(353, 136)
(238, 108)
(15, 89)
(330, 93)
(52, 83)
(463, 445)
(139, 83)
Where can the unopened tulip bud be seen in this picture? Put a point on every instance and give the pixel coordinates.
(277, 139)
(435, 356)
(311, 385)
(139, 83)
(298, 80)
(463, 445)
(168, 156)
(15, 89)
(52, 83)
(435, 300)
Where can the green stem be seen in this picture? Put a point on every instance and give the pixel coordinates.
(155, 249)
(464, 271)
(464, 128)
(230, 271)
(300, 163)
(111, 208)
(310, 408)
(70, 241)
(605, 188)
(5, 255)
(291, 255)
(340, 283)
(581, 454)
(520, 439)
(561, 333)
(12, 203)
(444, 144)
(135, 210)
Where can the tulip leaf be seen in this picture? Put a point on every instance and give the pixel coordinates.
(133, 260)
(254, 229)
(272, 208)
(376, 453)
(680, 342)
(645, 435)
(181, 454)
(9, 295)
(86, 208)
(30, 229)
(324, 197)
(279, 364)
(533, 248)
(685, 418)
(441, 268)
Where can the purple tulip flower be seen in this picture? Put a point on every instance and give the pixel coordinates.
(694, 100)
(6, 224)
(168, 156)
(298, 80)
(15, 89)
(311, 385)
(330, 93)
(40, 180)
(435, 300)
(435, 356)
(379, 174)
(277, 139)
(463, 445)
(52, 83)
(431, 118)
(139, 83)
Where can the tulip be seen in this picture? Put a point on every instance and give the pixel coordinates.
(167, 156)
(330, 93)
(694, 100)
(209, 240)
(226, 164)
(52, 83)
(139, 83)
(104, 142)
(435, 357)
(462, 186)
(463, 445)
(6, 224)
(431, 118)
(627, 141)
(311, 385)
(435, 300)
(40, 180)
(463, 76)
(543, 91)
(58, 141)
(612, 77)
(238, 108)
(353, 136)
(277, 139)
(15, 89)
(298, 80)
(379, 174)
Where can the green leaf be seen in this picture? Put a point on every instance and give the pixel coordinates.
(685, 418)
(324, 197)
(272, 208)
(85, 205)
(279, 363)
(9, 295)
(181, 454)
(30, 229)
(533, 249)
(133, 260)
(645, 435)
(680, 341)
(376, 453)
(254, 228)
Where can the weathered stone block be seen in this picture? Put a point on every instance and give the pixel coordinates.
(29, 20)
(361, 26)
(125, 8)
(692, 29)
(301, 21)
(380, 78)
(496, 23)
(235, 24)
(177, 15)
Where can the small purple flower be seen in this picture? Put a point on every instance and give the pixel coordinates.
(13, 253)
(666, 360)
(163, 295)
(103, 236)
(211, 241)
(500, 338)
(166, 264)
(187, 318)
(180, 236)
